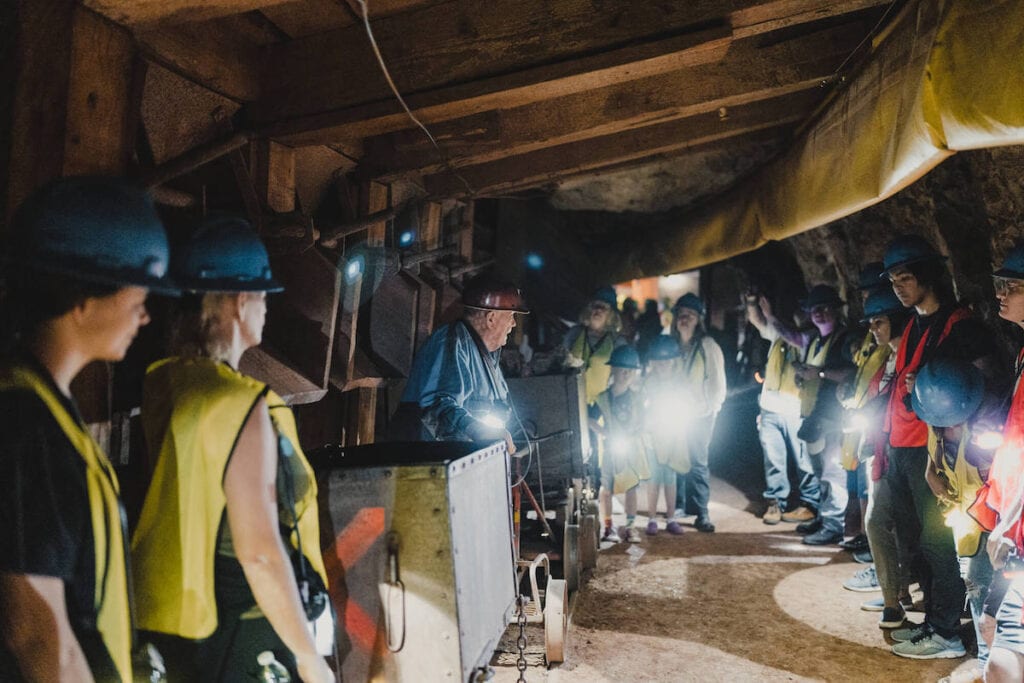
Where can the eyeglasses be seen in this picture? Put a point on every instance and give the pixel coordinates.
(820, 309)
(1006, 285)
(597, 306)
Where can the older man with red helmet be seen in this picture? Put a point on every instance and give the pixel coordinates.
(456, 391)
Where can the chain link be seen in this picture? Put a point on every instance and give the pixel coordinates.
(521, 640)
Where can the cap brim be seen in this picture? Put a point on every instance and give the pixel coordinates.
(206, 286)
(904, 264)
(163, 286)
(1009, 273)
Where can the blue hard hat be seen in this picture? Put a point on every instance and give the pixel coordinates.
(1013, 264)
(691, 301)
(870, 275)
(224, 255)
(821, 295)
(96, 229)
(907, 249)
(882, 301)
(625, 357)
(947, 392)
(663, 347)
(607, 295)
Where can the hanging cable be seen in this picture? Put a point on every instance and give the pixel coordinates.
(363, 4)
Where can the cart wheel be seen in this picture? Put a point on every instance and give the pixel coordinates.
(556, 620)
(571, 556)
(589, 541)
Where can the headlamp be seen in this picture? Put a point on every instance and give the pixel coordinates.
(619, 446)
(669, 413)
(988, 440)
(856, 422)
(491, 420)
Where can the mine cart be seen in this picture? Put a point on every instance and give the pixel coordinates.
(417, 541)
(555, 472)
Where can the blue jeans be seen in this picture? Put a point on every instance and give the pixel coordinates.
(779, 443)
(977, 574)
(832, 481)
(693, 489)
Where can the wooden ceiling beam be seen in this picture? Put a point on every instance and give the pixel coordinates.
(215, 59)
(142, 12)
(577, 158)
(456, 58)
(749, 74)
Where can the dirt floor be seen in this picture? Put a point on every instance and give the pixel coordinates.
(748, 603)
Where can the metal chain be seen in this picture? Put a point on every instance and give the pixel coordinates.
(521, 641)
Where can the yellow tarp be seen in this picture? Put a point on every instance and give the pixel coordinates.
(945, 76)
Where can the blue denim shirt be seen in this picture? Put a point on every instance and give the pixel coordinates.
(449, 381)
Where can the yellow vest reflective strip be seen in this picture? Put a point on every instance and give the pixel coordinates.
(868, 365)
(193, 413)
(634, 468)
(810, 388)
(595, 362)
(113, 616)
(779, 374)
(965, 481)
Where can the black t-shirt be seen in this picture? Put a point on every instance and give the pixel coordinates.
(968, 340)
(45, 519)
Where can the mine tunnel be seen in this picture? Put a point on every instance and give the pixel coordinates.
(546, 340)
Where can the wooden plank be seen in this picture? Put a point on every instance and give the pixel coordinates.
(430, 226)
(203, 53)
(309, 17)
(138, 12)
(345, 333)
(286, 381)
(273, 169)
(373, 197)
(772, 16)
(42, 70)
(455, 59)
(360, 416)
(749, 74)
(465, 235)
(562, 161)
(102, 63)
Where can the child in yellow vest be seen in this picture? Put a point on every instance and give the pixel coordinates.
(665, 412)
(617, 418)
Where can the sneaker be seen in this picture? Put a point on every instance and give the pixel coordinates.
(858, 542)
(673, 527)
(773, 515)
(873, 605)
(633, 534)
(610, 535)
(892, 617)
(930, 645)
(652, 528)
(679, 513)
(823, 537)
(864, 581)
(809, 527)
(902, 635)
(800, 513)
(704, 525)
(863, 556)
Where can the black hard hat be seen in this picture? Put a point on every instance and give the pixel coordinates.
(95, 229)
(489, 293)
(870, 275)
(224, 255)
(821, 295)
(907, 249)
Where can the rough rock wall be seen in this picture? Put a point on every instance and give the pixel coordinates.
(970, 207)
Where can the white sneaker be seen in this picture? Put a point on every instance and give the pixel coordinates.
(610, 535)
(633, 535)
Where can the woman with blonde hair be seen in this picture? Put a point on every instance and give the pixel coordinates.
(589, 345)
(229, 532)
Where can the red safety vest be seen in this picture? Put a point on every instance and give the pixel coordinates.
(905, 429)
(1004, 478)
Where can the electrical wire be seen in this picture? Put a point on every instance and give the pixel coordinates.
(364, 5)
(869, 36)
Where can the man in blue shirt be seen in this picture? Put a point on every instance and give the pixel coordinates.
(456, 391)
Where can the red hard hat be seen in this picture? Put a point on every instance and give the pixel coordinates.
(491, 294)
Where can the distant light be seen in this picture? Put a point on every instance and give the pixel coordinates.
(354, 269)
(406, 239)
(534, 261)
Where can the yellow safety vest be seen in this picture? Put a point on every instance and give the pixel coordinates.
(779, 373)
(810, 389)
(596, 370)
(113, 616)
(869, 360)
(193, 411)
(633, 469)
(965, 481)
